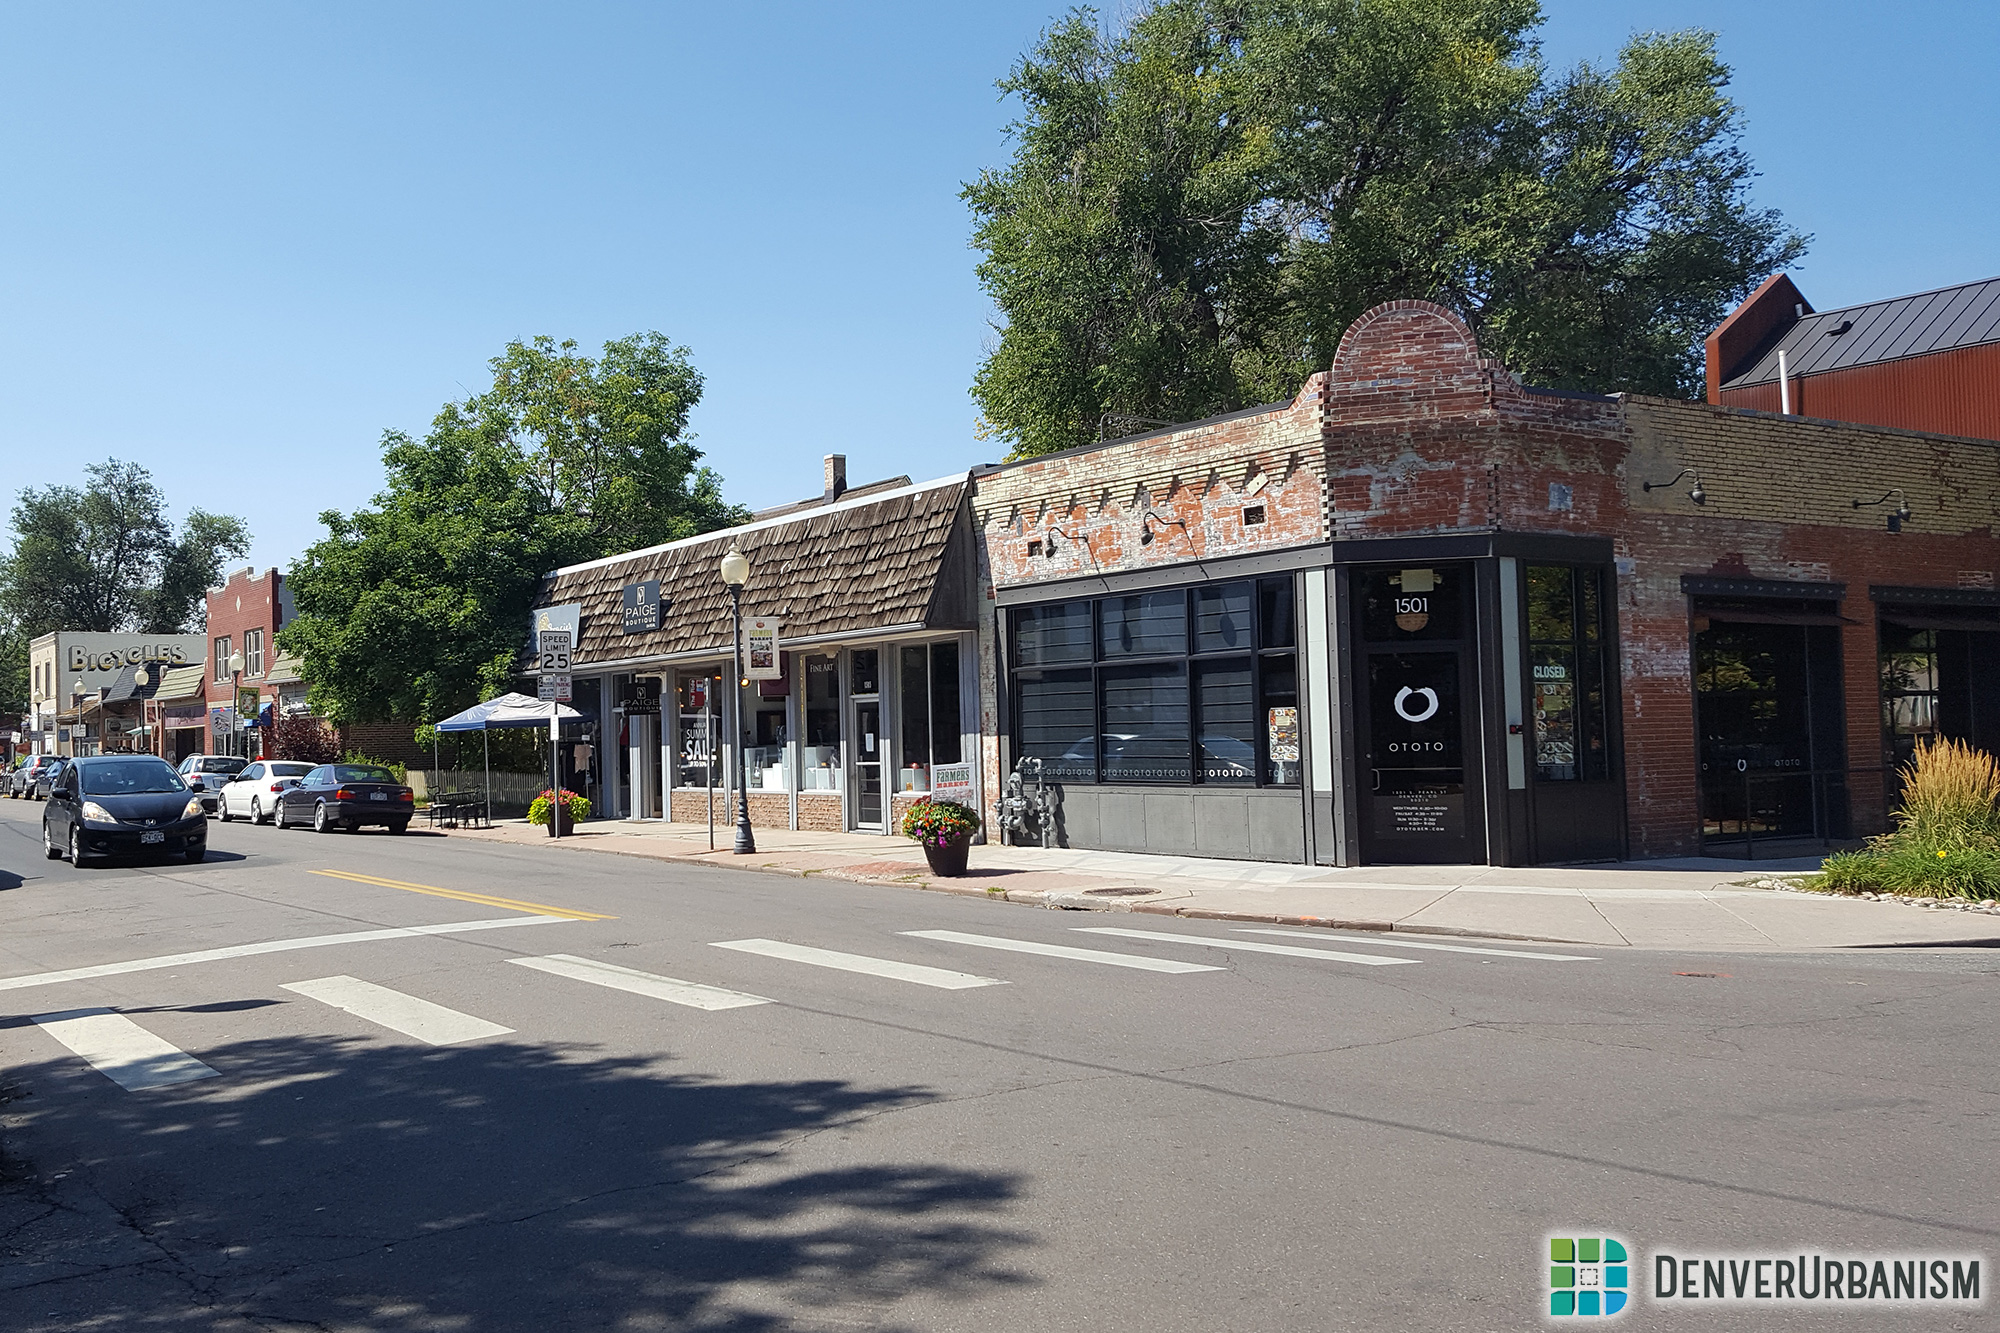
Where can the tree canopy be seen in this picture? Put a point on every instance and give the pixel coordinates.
(104, 557)
(418, 606)
(1200, 203)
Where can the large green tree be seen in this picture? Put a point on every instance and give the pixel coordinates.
(1200, 202)
(104, 557)
(418, 606)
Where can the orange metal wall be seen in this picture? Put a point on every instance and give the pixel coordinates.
(1950, 393)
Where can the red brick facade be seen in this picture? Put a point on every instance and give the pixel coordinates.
(1411, 433)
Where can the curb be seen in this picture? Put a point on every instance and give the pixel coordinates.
(1062, 901)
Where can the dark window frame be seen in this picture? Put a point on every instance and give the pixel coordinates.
(1255, 652)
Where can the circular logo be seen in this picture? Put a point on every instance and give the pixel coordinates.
(1424, 711)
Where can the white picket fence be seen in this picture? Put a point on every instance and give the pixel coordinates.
(511, 791)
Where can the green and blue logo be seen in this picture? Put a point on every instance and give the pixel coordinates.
(1588, 1275)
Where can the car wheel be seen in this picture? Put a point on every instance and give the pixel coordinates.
(278, 815)
(321, 824)
(194, 857)
(76, 847)
(222, 809)
(399, 826)
(256, 810)
(49, 848)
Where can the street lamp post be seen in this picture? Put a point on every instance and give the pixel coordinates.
(76, 704)
(235, 698)
(736, 573)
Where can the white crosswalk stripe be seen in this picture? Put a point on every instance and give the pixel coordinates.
(121, 1050)
(1421, 944)
(1248, 946)
(939, 977)
(392, 1009)
(1131, 960)
(671, 989)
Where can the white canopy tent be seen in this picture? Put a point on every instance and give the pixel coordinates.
(505, 711)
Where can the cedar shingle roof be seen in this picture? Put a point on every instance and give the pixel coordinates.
(846, 568)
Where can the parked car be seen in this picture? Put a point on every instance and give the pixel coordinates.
(51, 774)
(347, 796)
(23, 783)
(253, 793)
(207, 774)
(122, 804)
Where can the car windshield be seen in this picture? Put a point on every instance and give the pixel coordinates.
(361, 773)
(290, 770)
(221, 764)
(130, 777)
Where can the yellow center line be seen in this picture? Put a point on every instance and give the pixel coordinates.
(484, 899)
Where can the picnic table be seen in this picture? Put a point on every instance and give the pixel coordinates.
(450, 808)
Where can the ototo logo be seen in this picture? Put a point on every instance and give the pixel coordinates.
(1588, 1275)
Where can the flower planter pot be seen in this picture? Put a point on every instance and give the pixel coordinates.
(560, 824)
(949, 860)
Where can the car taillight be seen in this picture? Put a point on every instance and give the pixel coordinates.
(343, 795)
(277, 786)
(406, 795)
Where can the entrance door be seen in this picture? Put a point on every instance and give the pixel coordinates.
(642, 766)
(868, 764)
(1419, 802)
(1773, 744)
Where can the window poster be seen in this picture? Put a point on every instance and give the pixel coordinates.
(1284, 735)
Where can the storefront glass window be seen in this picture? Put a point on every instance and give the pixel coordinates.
(1057, 632)
(1215, 699)
(767, 727)
(698, 711)
(820, 760)
(1566, 676)
(928, 684)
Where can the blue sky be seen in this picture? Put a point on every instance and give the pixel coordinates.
(241, 241)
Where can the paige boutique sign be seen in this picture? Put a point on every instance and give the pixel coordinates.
(641, 607)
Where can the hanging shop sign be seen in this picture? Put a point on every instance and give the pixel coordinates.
(641, 607)
(760, 649)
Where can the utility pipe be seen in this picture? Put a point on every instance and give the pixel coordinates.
(1784, 384)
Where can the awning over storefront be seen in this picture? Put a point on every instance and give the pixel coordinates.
(895, 562)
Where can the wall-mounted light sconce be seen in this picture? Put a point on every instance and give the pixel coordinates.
(1898, 516)
(1695, 492)
(1146, 523)
(1050, 545)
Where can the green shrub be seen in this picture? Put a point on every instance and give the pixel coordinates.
(1946, 843)
(356, 757)
(939, 822)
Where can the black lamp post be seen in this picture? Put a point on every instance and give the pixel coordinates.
(736, 573)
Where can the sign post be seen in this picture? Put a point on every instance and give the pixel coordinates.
(555, 646)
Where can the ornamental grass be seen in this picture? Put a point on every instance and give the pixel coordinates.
(1946, 843)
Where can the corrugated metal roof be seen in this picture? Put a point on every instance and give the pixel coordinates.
(1860, 335)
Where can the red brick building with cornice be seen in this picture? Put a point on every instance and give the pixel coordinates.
(1425, 613)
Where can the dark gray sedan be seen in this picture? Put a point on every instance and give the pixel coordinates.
(122, 805)
(345, 797)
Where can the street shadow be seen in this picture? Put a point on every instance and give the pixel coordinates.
(10, 880)
(348, 1183)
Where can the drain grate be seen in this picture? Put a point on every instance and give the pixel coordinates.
(1117, 893)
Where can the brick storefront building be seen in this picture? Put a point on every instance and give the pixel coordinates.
(1424, 613)
(244, 617)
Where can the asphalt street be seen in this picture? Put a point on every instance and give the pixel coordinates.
(358, 1081)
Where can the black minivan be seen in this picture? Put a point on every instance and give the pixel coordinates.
(123, 804)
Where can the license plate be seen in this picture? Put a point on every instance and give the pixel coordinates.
(378, 795)
(153, 836)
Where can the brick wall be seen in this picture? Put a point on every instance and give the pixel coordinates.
(1411, 432)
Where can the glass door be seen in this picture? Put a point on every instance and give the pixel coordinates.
(1419, 804)
(865, 666)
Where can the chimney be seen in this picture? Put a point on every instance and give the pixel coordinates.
(836, 476)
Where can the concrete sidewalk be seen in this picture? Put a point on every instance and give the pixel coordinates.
(1693, 903)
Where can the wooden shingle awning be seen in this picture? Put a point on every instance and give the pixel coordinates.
(903, 561)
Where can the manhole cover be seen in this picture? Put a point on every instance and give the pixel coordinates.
(1117, 893)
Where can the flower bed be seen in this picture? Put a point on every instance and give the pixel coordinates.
(1946, 843)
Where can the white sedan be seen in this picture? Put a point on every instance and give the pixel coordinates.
(253, 793)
